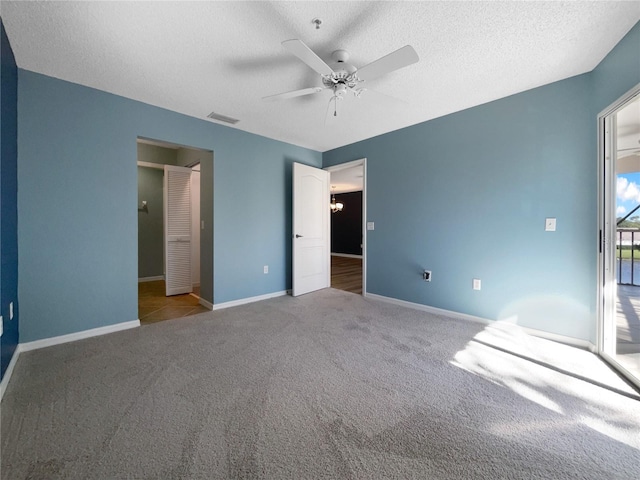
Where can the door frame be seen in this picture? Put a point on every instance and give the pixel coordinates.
(607, 283)
(207, 263)
(343, 166)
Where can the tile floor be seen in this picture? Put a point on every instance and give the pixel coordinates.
(155, 306)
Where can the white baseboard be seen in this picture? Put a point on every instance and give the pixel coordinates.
(150, 279)
(572, 341)
(243, 301)
(347, 255)
(206, 304)
(427, 308)
(72, 337)
(9, 371)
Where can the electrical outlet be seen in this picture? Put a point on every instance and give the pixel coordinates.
(266, 269)
(477, 284)
(426, 275)
(11, 311)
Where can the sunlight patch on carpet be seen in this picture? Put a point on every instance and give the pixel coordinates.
(506, 355)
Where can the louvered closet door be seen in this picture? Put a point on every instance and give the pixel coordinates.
(177, 229)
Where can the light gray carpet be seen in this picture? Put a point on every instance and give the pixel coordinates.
(328, 385)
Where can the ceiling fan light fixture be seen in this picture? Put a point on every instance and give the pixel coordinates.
(341, 76)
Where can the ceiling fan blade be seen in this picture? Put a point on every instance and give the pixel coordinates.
(304, 53)
(401, 58)
(294, 93)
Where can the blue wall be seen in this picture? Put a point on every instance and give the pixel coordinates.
(77, 204)
(617, 73)
(466, 196)
(8, 200)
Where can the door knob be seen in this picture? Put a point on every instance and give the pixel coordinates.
(298, 236)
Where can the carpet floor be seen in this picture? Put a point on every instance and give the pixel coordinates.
(327, 385)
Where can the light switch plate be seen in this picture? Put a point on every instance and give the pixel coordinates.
(477, 284)
(550, 225)
(370, 226)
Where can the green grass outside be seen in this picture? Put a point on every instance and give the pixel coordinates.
(626, 253)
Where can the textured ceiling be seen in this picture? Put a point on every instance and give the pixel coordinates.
(347, 179)
(199, 57)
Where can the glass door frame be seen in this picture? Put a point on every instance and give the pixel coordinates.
(607, 282)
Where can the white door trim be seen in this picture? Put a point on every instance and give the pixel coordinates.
(343, 166)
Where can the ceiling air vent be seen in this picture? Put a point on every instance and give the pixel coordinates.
(222, 118)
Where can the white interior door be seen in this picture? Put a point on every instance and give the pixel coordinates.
(311, 255)
(177, 230)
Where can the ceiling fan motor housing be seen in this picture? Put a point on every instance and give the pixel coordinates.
(340, 65)
(343, 76)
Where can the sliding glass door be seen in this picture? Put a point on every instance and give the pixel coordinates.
(619, 266)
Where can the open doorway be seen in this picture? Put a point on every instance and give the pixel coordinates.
(619, 157)
(348, 206)
(164, 256)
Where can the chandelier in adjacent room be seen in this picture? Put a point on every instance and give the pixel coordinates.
(335, 206)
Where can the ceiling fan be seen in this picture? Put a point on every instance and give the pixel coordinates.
(342, 77)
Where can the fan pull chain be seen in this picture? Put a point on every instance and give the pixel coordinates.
(335, 99)
(326, 115)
